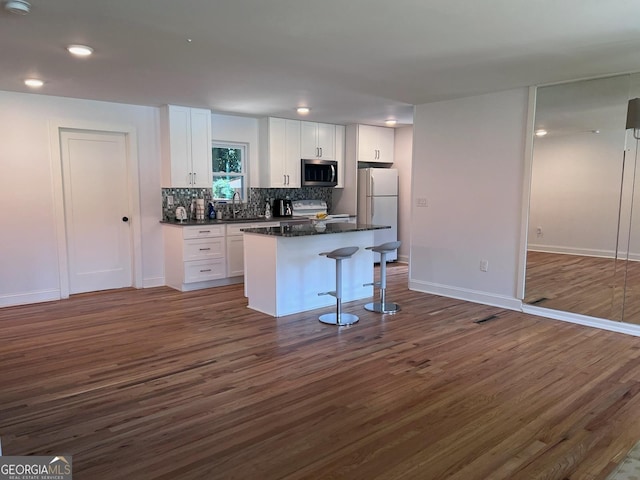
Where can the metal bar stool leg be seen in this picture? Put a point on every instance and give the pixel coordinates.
(339, 318)
(383, 306)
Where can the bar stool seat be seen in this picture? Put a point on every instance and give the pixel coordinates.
(383, 306)
(339, 318)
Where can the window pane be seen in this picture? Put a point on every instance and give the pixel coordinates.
(224, 186)
(227, 160)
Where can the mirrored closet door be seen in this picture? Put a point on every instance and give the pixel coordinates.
(583, 239)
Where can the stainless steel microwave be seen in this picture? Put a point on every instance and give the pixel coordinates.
(319, 173)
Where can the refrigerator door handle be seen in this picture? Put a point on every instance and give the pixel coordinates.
(371, 204)
(371, 186)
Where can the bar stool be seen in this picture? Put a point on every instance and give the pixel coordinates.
(382, 306)
(339, 318)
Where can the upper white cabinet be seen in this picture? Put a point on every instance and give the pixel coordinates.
(318, 140)
(375, 144)
(340, 152)
(279, 153)
(186, 147)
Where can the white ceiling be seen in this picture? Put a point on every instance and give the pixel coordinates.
(350, 60)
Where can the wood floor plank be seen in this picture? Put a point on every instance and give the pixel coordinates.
(159, 384)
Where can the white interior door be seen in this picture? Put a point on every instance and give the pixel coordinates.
(96, 205)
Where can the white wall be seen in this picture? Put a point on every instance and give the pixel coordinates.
(468, 157)
(575, 193)
(402, 161)
(28, 257)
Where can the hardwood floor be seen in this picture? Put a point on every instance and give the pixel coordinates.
(587, 285)
(158, 384)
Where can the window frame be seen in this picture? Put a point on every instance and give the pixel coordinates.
(244, 164)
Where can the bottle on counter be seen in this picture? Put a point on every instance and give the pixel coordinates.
(267, 210)
(211, 213)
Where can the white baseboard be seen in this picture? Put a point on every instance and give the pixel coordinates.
(611, 325)
(474, 296)
(582, 251)
(153, 282)
(29, 297)
(587, 252)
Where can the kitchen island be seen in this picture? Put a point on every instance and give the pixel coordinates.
(284, 272)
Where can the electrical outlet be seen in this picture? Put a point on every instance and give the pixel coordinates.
(169, 200)
(421, 202)
(484, 265)
(539, 232)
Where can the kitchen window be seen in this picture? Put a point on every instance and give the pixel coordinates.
(229, 171)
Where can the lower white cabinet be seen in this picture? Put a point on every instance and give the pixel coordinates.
(205, 256)
(194, 256)
(235, 246)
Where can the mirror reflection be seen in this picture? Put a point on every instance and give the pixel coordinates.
(584, 213)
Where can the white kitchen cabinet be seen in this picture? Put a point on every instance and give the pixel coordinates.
(318, 140)
(186, 147)
(279, 153)
(375, 144)
(195, 256)
(235, 246)
(340, 154)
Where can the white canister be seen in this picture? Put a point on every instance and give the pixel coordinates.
(199, 208)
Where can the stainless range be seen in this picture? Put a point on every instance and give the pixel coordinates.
(310, 208)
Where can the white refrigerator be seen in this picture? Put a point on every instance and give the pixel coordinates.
(378, 204)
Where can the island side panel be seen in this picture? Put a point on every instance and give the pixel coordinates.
(285, 274)
(260, 272)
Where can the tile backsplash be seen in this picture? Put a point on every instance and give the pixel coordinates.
(252, 208)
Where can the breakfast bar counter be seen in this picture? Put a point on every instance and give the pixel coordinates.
(284, 272)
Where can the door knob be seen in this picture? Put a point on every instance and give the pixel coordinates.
(125, 219)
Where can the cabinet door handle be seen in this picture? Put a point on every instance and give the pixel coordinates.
(207, 270)
(203, 249)
(194, 178)
(204, 231)
(320, 152)
(284, 179)
(288, 181)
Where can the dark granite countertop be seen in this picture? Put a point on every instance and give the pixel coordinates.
(306, 230)
(225, 221)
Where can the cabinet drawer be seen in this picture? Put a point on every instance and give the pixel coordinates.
(204, 270)
(203, 231)
(202, 249)
(236, 229)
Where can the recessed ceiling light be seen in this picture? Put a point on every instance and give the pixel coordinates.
(303, 110)
(19, 7)
(80, 50)
(595, 131)
(541, 132)
(391, 122)
(33, 82)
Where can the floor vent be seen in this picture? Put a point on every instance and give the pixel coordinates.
(485, 319)
(539, 300)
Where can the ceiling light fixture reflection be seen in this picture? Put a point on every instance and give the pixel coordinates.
(303, 110)
(541, 132)
(80, 50)
(391, 122)
(19, 7)
(33, 82)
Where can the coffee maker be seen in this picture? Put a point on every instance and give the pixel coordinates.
(282, 207)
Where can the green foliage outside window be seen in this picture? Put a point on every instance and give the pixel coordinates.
(228, 175)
